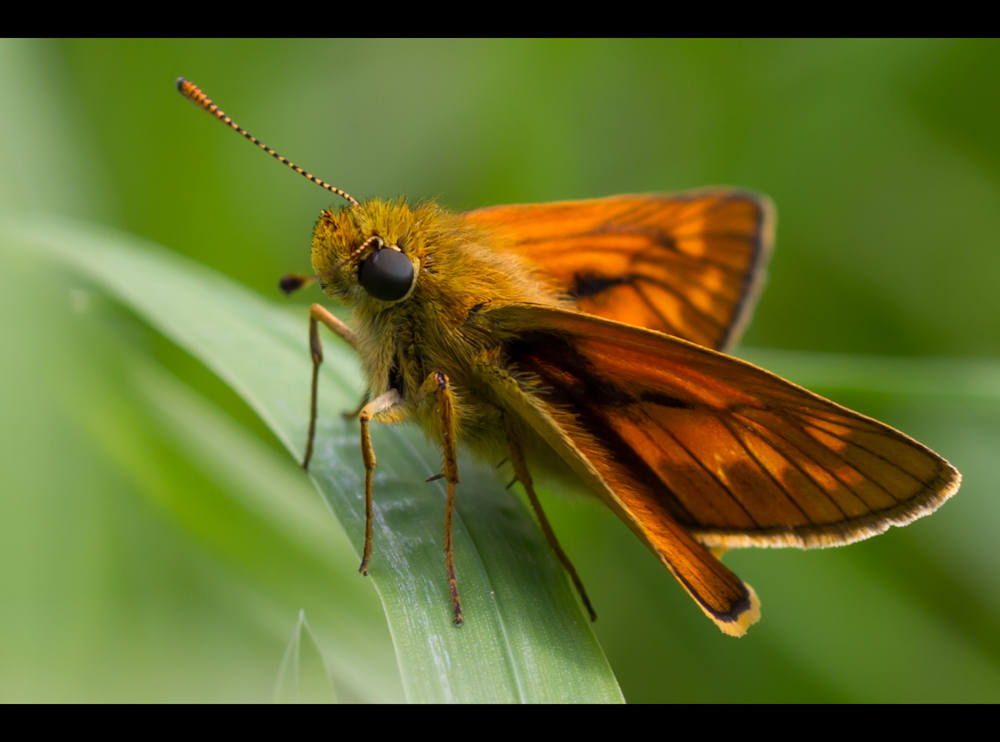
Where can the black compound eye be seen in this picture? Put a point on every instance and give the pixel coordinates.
(386, 274)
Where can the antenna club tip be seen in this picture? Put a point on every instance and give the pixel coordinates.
(190, 91)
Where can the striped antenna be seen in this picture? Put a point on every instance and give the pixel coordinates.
(361, 248)
(193, 93)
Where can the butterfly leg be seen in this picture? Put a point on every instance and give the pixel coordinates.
(352, 414)
(522, 474)
(318, 314)
(383, 408)
(436, 393)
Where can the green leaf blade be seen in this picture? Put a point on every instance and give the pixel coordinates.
(303, 676)
(525, 638)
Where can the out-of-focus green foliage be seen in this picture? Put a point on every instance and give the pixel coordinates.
(136, 561)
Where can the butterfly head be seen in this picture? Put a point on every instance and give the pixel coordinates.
(371, 254)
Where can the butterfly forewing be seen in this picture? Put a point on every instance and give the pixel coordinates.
(689, 265)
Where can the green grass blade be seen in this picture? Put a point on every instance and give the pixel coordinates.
(266, 484)
(303, 676)
(525, 637)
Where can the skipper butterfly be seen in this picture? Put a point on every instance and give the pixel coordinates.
(587, 336)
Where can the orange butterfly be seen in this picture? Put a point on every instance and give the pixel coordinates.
(583, 338)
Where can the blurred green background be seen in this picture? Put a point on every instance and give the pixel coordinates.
(135, 563)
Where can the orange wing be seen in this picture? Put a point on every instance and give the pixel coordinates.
(690, 265)
(687, 444)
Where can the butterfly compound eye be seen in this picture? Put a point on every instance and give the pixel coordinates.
(386, 274)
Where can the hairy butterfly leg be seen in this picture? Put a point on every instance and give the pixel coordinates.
(318, 314)
(384, 408)
(437, 399)
(524, 476)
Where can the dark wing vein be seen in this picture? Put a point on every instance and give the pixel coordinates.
(712, 474)
(874, 432)
(677, 259)
(653, 308)
(687, 302)
(729, 426)
(794, 463)
(668, 246)
(880, 457)
(833, 474)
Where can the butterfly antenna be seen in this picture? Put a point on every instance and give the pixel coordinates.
(364, 246)
(193, 93)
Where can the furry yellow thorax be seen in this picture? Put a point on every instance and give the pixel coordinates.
(459, 269)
